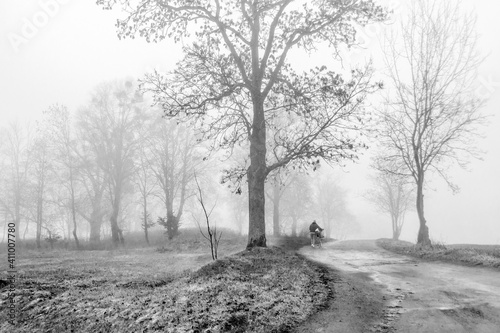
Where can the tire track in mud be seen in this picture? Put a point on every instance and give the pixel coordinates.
(357, 304)
(353, 305)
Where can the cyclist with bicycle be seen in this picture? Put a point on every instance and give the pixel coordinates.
(314, 231)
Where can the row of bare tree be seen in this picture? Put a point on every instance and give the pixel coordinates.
(83, 168)
(236, 83)
(237, 88)
(78, 169)
(431, 114)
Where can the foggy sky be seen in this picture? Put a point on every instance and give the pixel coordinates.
(58, 54)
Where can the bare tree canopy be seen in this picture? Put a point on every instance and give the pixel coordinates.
(235, 78)
(112, 122)
(172, 153)
(392, 194)
(16, 150)
(431, 114)
(59, 120)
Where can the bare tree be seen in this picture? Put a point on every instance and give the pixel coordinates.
(93, 181)
(146, 183)
(51, 226)
(52, 237)
(171, 150)
(431, 115)
(111, 122)
(91, 205)
(331, 205)
(16, 151)
(235, 77)
(279, 182)
(63, 142)
(392, 195)
(297, 200)
(212, 236)
(42, 158)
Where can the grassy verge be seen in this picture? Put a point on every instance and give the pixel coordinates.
(172, 290)
(468, 254)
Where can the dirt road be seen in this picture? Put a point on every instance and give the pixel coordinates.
(379, 291)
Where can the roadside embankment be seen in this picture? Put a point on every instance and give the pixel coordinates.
(261, 290)
(465, 254)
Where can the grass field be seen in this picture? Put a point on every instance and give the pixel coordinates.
(467, 254)
(174, 289)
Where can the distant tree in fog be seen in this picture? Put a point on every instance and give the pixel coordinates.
(211, 234)
(431, 116)
(91, 205)
(42, 162)
(63, 142)
(111, 122)
(296, 203)
(330, 205)
(52, 237)
(235, 78)
(238, 208)
(146, 183)
(392, 194)
(16, 159)
(278, 184)
(56, 217)
(171, 149)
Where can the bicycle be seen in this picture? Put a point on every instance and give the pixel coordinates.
(316, 237)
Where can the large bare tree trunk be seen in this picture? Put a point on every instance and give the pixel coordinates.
(172, 225)
(172, 222)
(73, 207)
(423, 232)
(256, 205)
(39, 222)
(75, 236)
(256, 178)
(394, 207)
(396, 228)
(145, 217)
(39, 206)
(25, 230)
(114, 228)
(116, 234)
(95, 220)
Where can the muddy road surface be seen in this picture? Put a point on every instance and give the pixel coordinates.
(379, 291)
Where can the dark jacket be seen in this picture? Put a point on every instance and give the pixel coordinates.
(314, 226)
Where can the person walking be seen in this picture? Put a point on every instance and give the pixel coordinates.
(314, 231)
